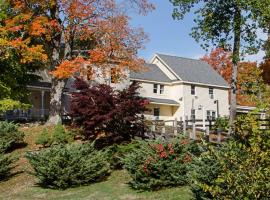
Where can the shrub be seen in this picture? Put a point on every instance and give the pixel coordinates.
(9, 136)
(222, 123)
(64, 166)
(44, 138)
(101, 109)
(62, 136)
(6, 164)
(117, 152)
(155, 165)
(236, 170)
(59, 136)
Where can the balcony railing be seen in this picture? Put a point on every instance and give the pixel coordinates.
(26, 115)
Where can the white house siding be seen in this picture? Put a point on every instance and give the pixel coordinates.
(181, 93)
(202, 100)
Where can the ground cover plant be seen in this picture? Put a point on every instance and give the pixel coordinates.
(159, 164)
(59, 135)
(64, 166)
(9, 136)
(6, 165)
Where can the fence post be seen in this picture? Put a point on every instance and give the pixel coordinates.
(184, 127)
(175, 127)
(193, 135)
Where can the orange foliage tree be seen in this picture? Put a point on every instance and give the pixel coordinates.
(79, 34)
(265, 67)
(251, 88)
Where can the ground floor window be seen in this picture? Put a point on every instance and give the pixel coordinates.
(156, 113)
(193, 114)
(210, 115)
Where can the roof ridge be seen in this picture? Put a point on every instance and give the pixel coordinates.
(181, 57)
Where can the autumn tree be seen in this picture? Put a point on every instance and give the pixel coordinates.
(251, 89)
(221, 61)
(79, 34)
(230, 24)
(19, 59)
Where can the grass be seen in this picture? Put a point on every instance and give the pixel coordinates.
(23, 186)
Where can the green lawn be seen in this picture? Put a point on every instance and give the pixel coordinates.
(114, 188)
(23, 185)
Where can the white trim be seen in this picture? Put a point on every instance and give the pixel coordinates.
(179, 82)
(38, 87)
(166, 104)
(167, 66)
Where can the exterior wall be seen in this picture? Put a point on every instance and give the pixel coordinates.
(202, 102)
(35, 99)
(181, 93)
(166, 112)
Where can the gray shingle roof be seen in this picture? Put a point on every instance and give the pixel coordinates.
(162, 101)
(152, 73)
(192, 70)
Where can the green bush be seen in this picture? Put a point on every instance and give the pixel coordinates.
(117, 152)
(159, 164)
(222, 123)
(6, 164)
(9, 136)
(64, 166)
(62, 136)
(44, 138)
(236, 170)
(59, 136)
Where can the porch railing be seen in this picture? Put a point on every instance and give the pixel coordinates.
(25, 115)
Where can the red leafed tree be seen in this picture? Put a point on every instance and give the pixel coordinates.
(78, 34)
(104, 112)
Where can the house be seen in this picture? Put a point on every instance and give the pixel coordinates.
(177, 88)
(182, 88)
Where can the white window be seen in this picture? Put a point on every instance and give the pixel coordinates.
(161, 89)
(211, 93)
(158, 89)
(193, 90)
(193, 114)
(210, 115)
(155, 88)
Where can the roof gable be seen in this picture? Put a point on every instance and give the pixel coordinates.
(191, 70)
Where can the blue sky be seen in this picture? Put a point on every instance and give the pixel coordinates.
(170, 36)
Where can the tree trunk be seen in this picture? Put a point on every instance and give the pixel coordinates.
(56, 101)
(235, 60)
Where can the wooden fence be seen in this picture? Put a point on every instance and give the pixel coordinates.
(171, 128)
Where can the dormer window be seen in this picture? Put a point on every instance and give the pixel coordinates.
(193, 90)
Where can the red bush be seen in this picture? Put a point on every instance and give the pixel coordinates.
(100, 109)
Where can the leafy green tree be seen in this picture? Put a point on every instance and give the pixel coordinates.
(230, 24)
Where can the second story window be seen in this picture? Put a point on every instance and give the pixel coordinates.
(193, 92)
(211, 93)
(158, 89)
(155, 89)
(161, 89)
